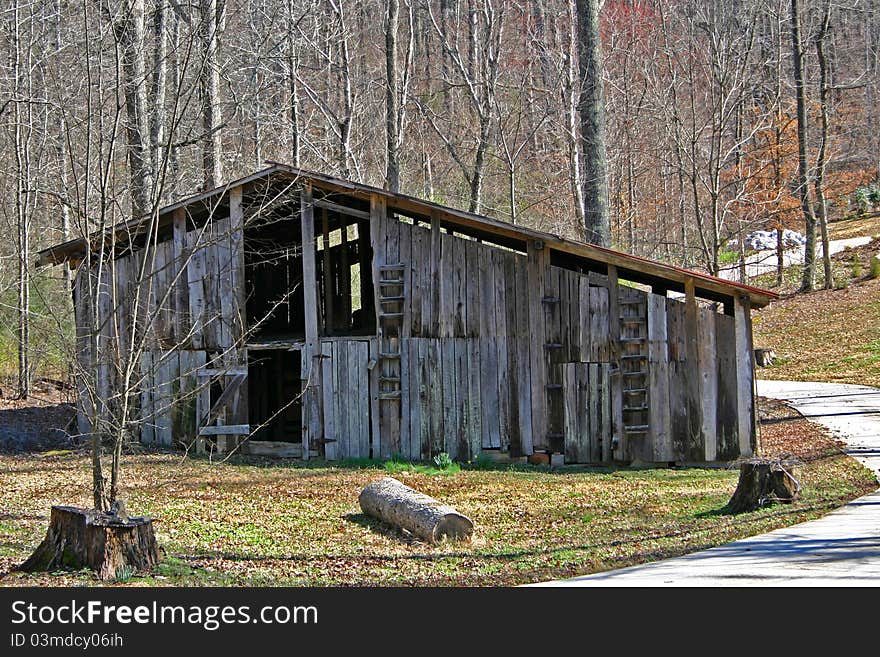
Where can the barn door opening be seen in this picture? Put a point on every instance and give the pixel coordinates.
(274, 390)
(586, 391)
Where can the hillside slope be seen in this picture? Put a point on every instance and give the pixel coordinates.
(826, 335)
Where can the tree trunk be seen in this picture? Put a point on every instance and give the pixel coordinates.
(392, 98)
(809, 278)
(106, 543)
(822, 157)
(763, 482)
(397, 504)
(592, 109)
(129, 33)
(212, 146)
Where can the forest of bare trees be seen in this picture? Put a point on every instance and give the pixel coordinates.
(720, 117)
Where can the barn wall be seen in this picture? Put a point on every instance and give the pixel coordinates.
(481, 348)
(161, 320)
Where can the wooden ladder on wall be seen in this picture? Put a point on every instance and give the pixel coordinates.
(392, 294)
(634, 365)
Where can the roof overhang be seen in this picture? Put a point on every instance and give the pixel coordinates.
(631, 267)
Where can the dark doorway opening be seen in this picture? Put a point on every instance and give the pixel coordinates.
(274, 395)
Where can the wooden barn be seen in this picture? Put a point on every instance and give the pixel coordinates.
(296, 314)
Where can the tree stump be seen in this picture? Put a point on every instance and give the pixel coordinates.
(763, 482)
(105, 542)
(397, 504)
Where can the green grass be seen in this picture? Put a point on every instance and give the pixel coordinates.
(260, 522)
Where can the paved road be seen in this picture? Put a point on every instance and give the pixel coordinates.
(839, 549)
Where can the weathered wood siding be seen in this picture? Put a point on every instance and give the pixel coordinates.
(478, 348)
(155, 307)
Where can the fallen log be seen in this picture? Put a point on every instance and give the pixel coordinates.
(397, 504)
(763, 482)
(108, 543)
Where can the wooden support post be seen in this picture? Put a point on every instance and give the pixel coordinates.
(379, 438)
(708, 379)
(745, 377)
(345, 277)
(695, 448)
(327, 274)
(537, 265)
(658, 380)
(618, 434)
(311, 373)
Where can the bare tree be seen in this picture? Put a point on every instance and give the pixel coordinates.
(797, 54)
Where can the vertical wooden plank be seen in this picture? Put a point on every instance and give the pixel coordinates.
(572, 429)
(537, 266)
(327, 274)
(745, 376)
(405, 447)
(446, 307)
(583, 326)
(347, 399)
(503, 386)
(166, 374)
(524, 395)
(618, 439)
(147, 386)
(423, 397)
(658, 380)
(311, 373)
(415, 291)
(236, 263)
(432, 314)
(414, 414)
(695, 448)
(708, 372)
(604, 372)
(363, 387)
(331, 431)
(451, 421)
(726, 421)
(465, 422)
(459, 285)
(599, 448)
(488, 286)
(374, 369)
(500, 300)
(475, 415)
(510, 291)
(178, 241)
(195, 279)
(474, 306)
(434, 373)
(225, 297)
(489, 401)
(405, 258)
(307, 238)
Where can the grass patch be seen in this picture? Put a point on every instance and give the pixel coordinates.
(255, 522)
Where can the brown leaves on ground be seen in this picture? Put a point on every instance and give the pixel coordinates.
(826, 335)
(784, 432)
(265, 522)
